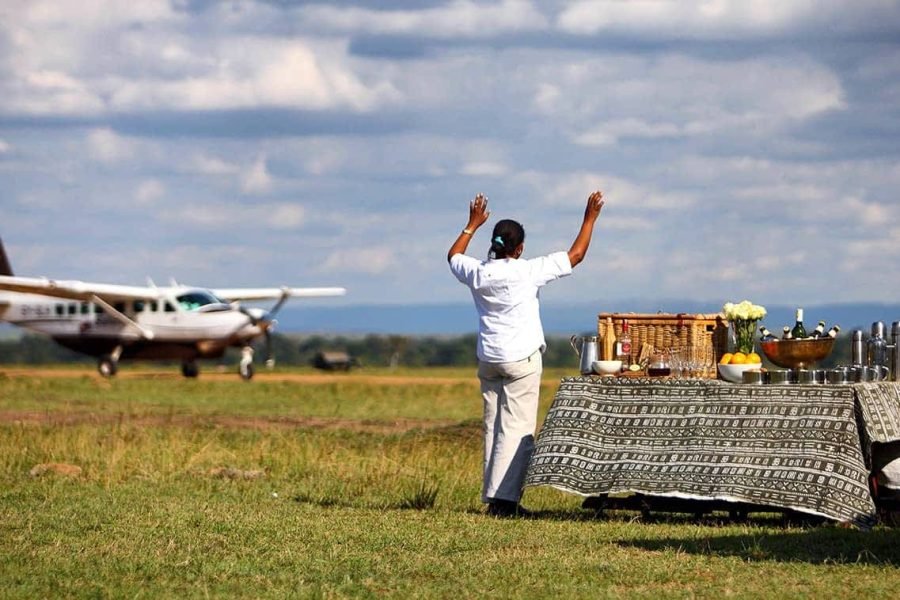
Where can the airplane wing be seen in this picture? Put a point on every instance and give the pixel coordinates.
(77, 290)
(235, 294)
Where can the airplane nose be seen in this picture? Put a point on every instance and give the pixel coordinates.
(261, 318)
(257, 315)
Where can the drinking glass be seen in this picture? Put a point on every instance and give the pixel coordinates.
(711, 366)
(678, 362)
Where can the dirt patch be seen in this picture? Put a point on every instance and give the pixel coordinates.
(232, 473)
(261, 376)
(226, 421)
(62, 469)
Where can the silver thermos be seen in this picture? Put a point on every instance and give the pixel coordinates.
(876, 347)
(895, 351)
(857, 349)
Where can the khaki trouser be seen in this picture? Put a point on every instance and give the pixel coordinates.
(510, 392)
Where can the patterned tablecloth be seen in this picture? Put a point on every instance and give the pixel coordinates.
(790, 447)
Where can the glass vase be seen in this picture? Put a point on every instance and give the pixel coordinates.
(744, 333)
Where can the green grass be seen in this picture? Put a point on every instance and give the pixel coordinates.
(349, 510)
(352, 396)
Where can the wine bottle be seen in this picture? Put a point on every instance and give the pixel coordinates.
(832, 333)
(787, 333)
(623, 351)
(819, 331)
(609, 341)
(799, 332)
(766, 335)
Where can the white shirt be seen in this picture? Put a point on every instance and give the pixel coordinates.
(507, 294)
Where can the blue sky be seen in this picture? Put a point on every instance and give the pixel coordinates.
(746, 149)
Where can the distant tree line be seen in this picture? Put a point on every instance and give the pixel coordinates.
(370, 350)
(37, 350)
(297, 350)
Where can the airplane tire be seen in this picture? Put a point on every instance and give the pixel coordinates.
(246, 371)
(190, 369)
(107, 367)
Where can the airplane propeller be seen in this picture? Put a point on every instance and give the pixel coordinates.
(265, 321)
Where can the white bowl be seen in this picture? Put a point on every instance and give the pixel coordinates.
(607, 367)
(735, 373)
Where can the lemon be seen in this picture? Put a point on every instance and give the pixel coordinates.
(739, 358)
(726, 358)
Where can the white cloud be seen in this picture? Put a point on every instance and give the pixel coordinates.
(372, 260)
(260, 72)
(95, 14)
(620, 194)
(286, 216)
(610, 99)
(106, 146)
(210, 165)
(456, 19)
(148, 191)
(725, 19)
(115, 57)
(484, 169)
(5, 147)
(612, 131)
(46, 92)
(256, 179)
(239, 217)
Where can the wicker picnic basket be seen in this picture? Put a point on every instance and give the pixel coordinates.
(665, 331)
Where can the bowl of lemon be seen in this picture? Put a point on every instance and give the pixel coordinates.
(732, 366)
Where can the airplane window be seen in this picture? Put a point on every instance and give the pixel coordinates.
(73, 309)
(197, 298)
(138, 306)
(99, 309)
(154, 306)
(85, 308)
(119, 306)
(169, 307)
(60, 310)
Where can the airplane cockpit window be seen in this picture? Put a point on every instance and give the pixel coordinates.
(196, 299)
(169, 307)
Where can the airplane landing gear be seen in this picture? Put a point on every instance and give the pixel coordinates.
(108, 365)
(190, 369)
(245, 367)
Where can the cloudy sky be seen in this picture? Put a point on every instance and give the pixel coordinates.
(746, 149)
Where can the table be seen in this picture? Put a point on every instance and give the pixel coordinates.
(798, 447)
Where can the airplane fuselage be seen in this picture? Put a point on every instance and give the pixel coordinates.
(175, 326)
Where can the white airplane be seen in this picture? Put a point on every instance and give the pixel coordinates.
(114, 322)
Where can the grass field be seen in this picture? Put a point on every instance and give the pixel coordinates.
(358, 485)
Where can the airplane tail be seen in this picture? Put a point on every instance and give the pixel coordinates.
(5, 269)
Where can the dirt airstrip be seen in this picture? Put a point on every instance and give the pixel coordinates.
(261, 376)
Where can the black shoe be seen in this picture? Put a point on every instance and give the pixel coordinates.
(506, 509)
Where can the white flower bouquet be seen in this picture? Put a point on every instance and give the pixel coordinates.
(743, 317)
(744, 311)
